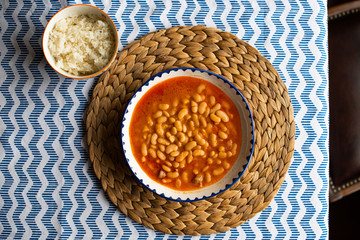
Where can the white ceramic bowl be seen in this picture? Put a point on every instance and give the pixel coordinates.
(240, 164)
(76, 10)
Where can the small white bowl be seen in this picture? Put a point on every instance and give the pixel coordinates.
(71, 11)
(241, 162)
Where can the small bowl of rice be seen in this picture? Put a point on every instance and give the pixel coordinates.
(80, 41)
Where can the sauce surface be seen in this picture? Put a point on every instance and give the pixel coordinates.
(185, 133)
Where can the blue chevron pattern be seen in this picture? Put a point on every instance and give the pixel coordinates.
(47, 188)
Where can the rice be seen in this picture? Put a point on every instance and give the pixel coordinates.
(82, 45)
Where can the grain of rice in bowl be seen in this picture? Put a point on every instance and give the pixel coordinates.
(80, 41)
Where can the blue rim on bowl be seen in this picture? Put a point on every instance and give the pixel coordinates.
(247, 146)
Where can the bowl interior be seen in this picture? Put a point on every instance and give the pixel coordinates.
(247, 137)
(71, 11)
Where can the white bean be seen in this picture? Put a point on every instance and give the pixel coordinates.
(144, 151)
(163, 106)
(182, 113)
(178, 125)
(200, 140)
(168, 163)
(152, 153)
(203, 121)
(162, 119)
(163, 141)
(172, 120)
(154, 138)
(226, 165)
(215, 108)
(182, 164)
(159, 129)
(182, 156)
(171, 148)
(189, 158)
(215, 118)
(201, 88)
(197, 97)
(212, 140)
(185, 176)
(212, 100)
(178, 183)
(233, 150)
(222, 154)
(174, 153)
(190, 145)
(198, 153)
(173, 131)
(158, 114)
(175, 102)
(194, 107)
(161, 155)
(150, 122)
(181, 136)
(218, 171)
(172, 174)
(221, 114)
(162, 147)
(166, 168)
(166, 113)
(207, 177)
(202, 107)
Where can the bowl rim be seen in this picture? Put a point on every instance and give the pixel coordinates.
(93, 74)
(252, 141)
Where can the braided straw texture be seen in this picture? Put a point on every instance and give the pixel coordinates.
(222, 53)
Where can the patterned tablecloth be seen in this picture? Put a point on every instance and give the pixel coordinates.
(48, 189)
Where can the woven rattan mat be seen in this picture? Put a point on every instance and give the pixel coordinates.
(222, 53)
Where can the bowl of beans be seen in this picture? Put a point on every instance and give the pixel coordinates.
(187, 134)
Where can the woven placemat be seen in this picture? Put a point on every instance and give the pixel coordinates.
(222, 53)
